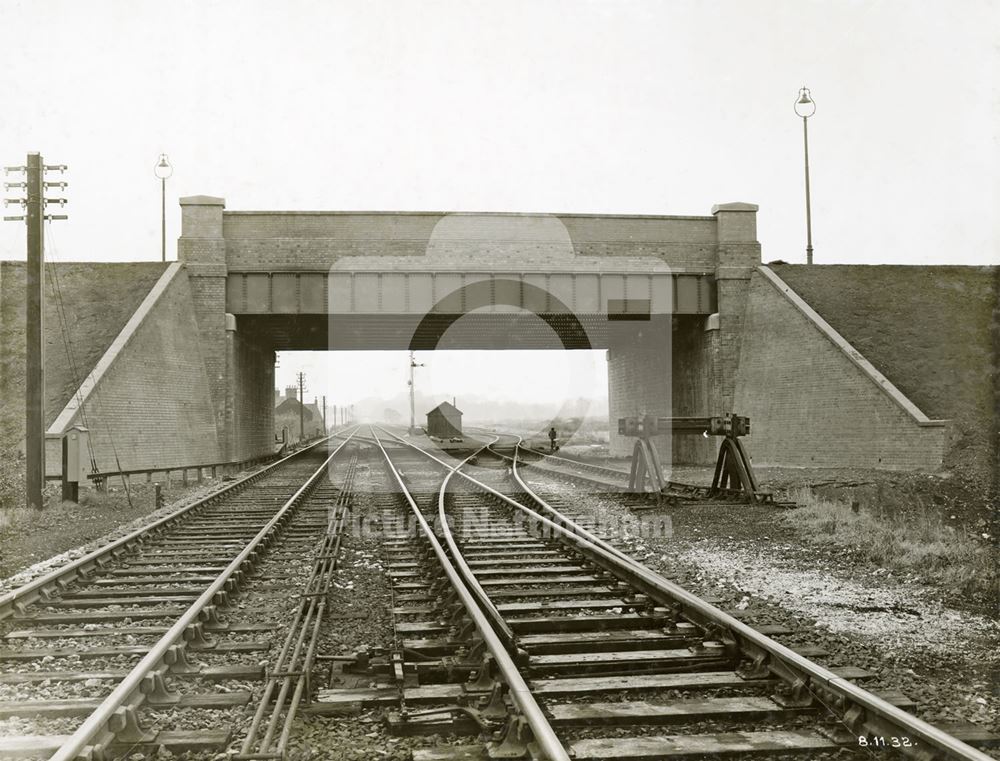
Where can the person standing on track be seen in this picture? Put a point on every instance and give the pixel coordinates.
(552, 439)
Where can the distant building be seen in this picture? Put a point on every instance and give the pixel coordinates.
(287, 419)
(444, 421)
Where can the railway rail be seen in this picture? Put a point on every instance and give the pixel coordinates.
(155, 610)
(613, 480)
(515, 621)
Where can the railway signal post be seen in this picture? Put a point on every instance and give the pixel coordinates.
(301, 378)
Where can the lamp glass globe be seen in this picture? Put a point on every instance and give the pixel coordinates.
(163, 169)
(805, 106)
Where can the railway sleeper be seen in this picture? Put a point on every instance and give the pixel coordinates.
(177, 742)
(712, 745)
(335, 700)
(109, 652)
(81, 707)
(244, 672)
(116, 631)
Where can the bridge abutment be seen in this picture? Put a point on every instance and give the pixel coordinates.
(687, 365)
(240, 372)
(738, 255)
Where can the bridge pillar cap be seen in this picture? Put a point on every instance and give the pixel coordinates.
(202, 201)
(735, 206)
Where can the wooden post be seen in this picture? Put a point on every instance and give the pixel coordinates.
(34, 381)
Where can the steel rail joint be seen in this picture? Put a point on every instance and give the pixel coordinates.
(128, 692)
(544, 735)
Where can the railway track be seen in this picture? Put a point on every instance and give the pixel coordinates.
(613, 480)
(518, 624)
(116, 652)
(513, 622)
(605, 479)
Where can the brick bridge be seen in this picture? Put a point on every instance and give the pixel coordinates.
(656, 292)
(691, 321)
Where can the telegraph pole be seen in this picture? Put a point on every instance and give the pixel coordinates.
(302, 405)
(34, 379)
(413, 364)
(34, 375)
(325, 431)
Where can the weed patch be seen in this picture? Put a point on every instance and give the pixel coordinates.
(919, 543)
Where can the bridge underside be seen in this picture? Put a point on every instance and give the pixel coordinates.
(546, 331)
(657, 364)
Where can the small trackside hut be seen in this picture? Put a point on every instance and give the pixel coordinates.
(444, 421)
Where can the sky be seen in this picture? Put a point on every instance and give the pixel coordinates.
(514, 105)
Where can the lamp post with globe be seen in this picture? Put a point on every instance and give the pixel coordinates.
(805, 107)
(163, 170)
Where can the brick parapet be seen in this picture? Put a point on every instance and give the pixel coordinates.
(295, 255)
(299, 241)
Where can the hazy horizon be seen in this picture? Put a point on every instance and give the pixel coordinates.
(541, 377)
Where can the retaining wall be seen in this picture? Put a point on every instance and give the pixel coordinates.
(147, 402)
(814, 400)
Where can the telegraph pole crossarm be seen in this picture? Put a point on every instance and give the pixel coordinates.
(34, 202)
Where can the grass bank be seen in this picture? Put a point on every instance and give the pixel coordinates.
(919, 543)
(27, 536)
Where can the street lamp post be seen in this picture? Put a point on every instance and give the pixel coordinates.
(163, 170)
(805, 107)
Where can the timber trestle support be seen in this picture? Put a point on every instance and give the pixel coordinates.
(734, 479)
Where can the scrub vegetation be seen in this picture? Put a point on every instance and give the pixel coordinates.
(919, 543)
(28, 536)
